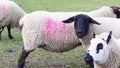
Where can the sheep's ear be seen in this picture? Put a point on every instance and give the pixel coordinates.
(116, 10)
(109, 37)
(94, 34)
(69, 20)
(93, 21)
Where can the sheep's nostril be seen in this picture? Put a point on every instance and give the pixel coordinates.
(80, 32)
(88, 58)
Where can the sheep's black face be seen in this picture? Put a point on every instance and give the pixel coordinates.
(116, 10)
(81, 24)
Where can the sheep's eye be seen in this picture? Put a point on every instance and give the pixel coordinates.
(99, 47)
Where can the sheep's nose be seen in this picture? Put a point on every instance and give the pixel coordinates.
(79, 33)
(88, 58)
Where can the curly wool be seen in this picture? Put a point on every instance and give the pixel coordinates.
(47, 31)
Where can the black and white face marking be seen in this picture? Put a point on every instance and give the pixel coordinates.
(98, 47)
(81, 24)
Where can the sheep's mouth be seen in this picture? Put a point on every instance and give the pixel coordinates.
(80, 35)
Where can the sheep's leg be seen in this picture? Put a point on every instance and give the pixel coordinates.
(21, 61)
(1, 29)
(9, 32)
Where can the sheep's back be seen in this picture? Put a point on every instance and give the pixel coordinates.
(10, 13)
(107, 25)
(16, 14)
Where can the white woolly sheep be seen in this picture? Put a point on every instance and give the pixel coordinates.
(46, 30)
(104, 51)
(10, 14)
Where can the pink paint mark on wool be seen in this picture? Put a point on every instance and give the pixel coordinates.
(54, 27)
(4, 9)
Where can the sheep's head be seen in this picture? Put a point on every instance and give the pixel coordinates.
(81, 24)
(116, 10)
(98, 51)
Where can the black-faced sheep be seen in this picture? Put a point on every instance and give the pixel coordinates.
(85, 25)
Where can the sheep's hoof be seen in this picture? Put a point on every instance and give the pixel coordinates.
(20, 66)
(11, 37)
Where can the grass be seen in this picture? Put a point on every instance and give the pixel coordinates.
(64, 5)
(41, 58)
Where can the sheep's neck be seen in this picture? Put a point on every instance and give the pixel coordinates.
(86, 40)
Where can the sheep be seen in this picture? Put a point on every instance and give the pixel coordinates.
(85, 25)
(104, 51)
(46, 30)
(10, 14)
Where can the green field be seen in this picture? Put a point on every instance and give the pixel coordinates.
(41, 58)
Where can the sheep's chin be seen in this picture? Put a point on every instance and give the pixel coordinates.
(100, 62)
